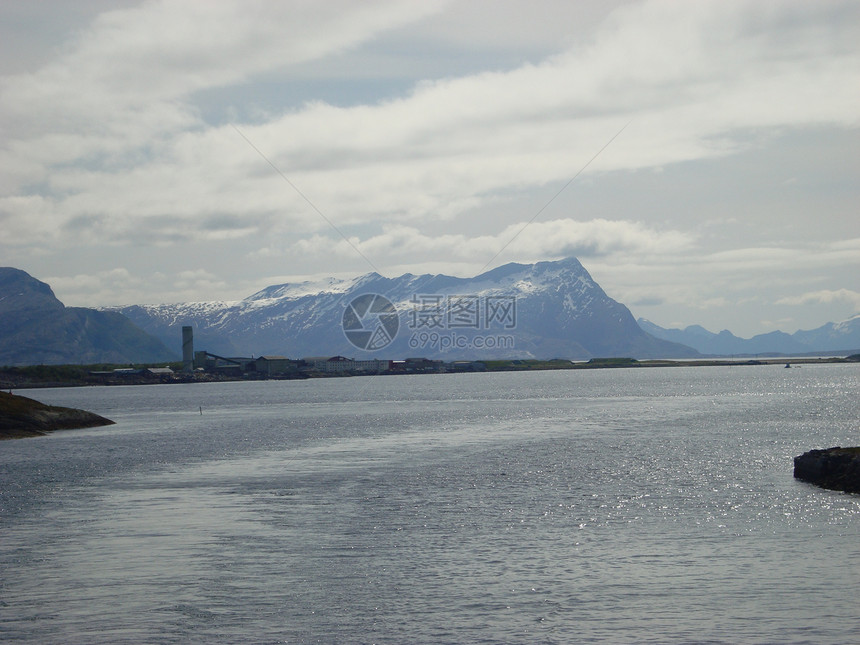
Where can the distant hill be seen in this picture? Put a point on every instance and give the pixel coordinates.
(37, 329)
(832, 337)
(559, 312)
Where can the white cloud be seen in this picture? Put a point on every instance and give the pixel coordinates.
(119, 141)
(125, 85)
(536, 241)
(93, 285)
(728, 284)
(120, 286)
(112, 127)
(825, 296)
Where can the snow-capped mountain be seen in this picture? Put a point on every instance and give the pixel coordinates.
(542, 310)
(832, 337)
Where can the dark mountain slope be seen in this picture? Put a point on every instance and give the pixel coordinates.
(832, 337)
(36, 328)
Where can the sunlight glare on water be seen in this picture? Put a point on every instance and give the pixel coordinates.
(618, 506)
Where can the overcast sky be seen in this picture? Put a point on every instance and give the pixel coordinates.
(173, 151)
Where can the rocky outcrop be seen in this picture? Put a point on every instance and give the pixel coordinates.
(23, 417)
(834, 468)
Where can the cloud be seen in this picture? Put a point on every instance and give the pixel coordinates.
(118, 285)
(796, 256)
(538, 240)
(429, 133)
(825, 296)
(93, 286)
(113, 128)
(734, 280)
(117, 95)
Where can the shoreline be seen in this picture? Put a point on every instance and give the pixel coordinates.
(37, 377)
(22, 417)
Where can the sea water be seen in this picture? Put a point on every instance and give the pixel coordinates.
(618, 505)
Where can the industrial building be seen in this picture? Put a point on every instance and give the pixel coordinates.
(275, 366)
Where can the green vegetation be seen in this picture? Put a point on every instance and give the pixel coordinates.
(35, 376)
(616, 362)
(46, 375)
(559, 364)
(613, 362)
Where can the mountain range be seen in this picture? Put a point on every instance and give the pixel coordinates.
(542, 310)
(37, 329)
(832, 337)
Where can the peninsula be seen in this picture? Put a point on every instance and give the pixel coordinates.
(23, 417)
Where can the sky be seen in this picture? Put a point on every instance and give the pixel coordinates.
(701, 159)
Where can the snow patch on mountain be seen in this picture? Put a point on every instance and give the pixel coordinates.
(560, 312)
(847, 326)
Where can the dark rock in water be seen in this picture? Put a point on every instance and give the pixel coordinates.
(23, 417)
(834, 468)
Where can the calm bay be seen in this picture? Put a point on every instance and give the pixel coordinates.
(618, 505)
